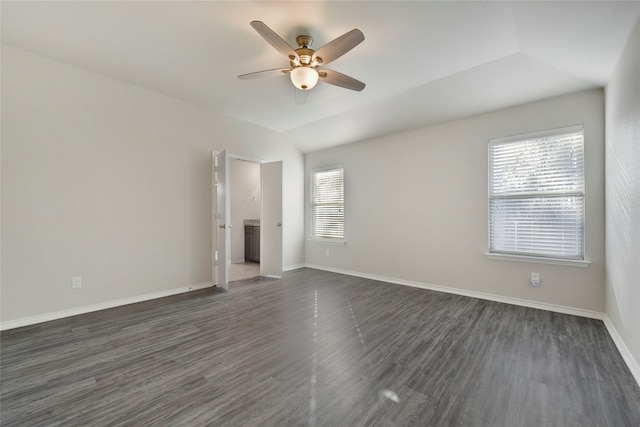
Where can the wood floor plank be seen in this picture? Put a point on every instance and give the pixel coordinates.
(316, 349)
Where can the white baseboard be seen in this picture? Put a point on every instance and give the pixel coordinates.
(481, 295)
(632, 363)
(32, 320)
(293, 267)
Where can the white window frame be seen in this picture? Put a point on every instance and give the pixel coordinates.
(313, 204)
(496, 251)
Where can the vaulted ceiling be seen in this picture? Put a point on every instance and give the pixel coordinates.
(423, 62)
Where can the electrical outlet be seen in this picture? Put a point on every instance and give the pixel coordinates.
(76, 282)
(535, 279)
(327, 252)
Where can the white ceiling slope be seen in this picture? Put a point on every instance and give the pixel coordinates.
(423, 62)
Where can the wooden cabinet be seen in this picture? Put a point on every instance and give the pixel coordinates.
(251, 243)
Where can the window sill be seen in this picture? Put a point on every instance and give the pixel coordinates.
(538, 260)
(328, 242)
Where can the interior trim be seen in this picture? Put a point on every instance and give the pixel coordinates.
(481, 295)
(631, 362)
(47, 317)
(538, 260)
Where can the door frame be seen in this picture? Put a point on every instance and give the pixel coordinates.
(219, 277)
(214, 219)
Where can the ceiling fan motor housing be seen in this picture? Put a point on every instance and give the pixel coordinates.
(305, 54)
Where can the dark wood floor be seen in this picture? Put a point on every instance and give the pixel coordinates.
(316, 348)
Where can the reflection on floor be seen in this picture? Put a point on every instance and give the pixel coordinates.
(243, 270)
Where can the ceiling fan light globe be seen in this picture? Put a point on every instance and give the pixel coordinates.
(304, 78)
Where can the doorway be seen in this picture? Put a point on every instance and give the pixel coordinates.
(245, 206)
(268, 236)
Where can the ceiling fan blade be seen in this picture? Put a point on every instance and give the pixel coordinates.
(338, 79)
(274, 40)
(265, 73)
(338, 47)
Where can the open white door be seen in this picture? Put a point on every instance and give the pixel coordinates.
(271, 220)
(221, 226)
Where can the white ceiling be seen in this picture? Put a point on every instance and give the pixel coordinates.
(423, 62)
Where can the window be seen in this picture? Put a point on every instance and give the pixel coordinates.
(327, 203)
(536, 194)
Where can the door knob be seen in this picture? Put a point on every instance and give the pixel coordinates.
(279, 224)
(222, 226)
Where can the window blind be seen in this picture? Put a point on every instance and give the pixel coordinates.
(536, 194)
(327, 203)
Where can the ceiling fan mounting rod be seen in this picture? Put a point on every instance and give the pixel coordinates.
(304, 41)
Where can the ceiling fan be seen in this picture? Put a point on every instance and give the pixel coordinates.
(304, 61)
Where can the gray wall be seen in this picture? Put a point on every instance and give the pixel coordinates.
(623, 199)
(416, 206)
(111, 182)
